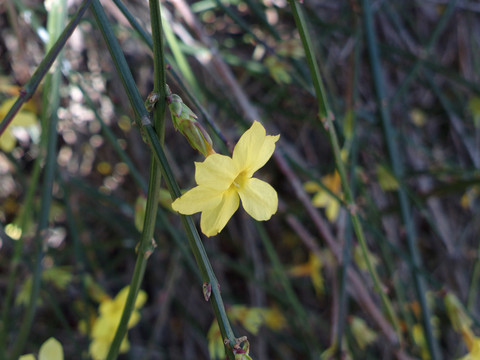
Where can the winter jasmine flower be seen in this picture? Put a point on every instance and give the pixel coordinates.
(24, 119)
(322, 198)
(223, 181)
(105, 326)
(50, 350)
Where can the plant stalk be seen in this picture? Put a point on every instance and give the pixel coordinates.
(152, 139)
(29, 88)
(50, 101)
(326, 117)
(398, 171)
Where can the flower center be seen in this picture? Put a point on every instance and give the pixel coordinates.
(239, 181)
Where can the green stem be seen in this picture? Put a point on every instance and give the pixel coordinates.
(397, 166)
(145, 36)
(473, 287)
(195, 242)
(25, 214)
(403, 60)
(51, 100)
(143, 253)
(29, 88)
(447, 14)
(343, 296)
(147, 39)
(142, 118)
(79, 254)
(302, 324)
(146, 245)
(181, 59)
(326, 117)
(324, 111)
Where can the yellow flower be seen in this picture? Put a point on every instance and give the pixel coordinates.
(360, 259)
(361, 332)
(456, 312)
(216, 348)
(323, 198)
(278, 70)
(419, 338)
(50, 350)
(105, 326)
(386, 179)
(312, 268)
(23, 118)
(473, 344)
(222, 180)
(461, 322)
(474, 353)
(467, 201)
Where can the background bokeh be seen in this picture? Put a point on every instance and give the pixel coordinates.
(294, 283)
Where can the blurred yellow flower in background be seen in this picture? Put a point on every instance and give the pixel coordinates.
(222, 181)
(50, 350)
(461, 323)
(361, 332)
(24, 118)
(473, 344)
(323, 198)
(105, 326)
(312, 268)
(386, 179)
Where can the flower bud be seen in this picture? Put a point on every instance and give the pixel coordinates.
(241, 352)
(197, 137)
(207, 290)
(184, 120)
(175, 105)
(152, 99)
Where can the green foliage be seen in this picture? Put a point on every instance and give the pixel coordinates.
(376, 172)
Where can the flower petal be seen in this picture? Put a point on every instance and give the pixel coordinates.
(253, 149)
(32, 357)
(51, 350)
(141, 299)
(134, 319)
(321, 199)
(7, 141)
(24, 118)
(121, 298)
(104, 326)
(198, 199)
(124, 346)
(259, 199)
(332, 211)
(214, 220)
(215, 172)
(98, 349)
(312, 186)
